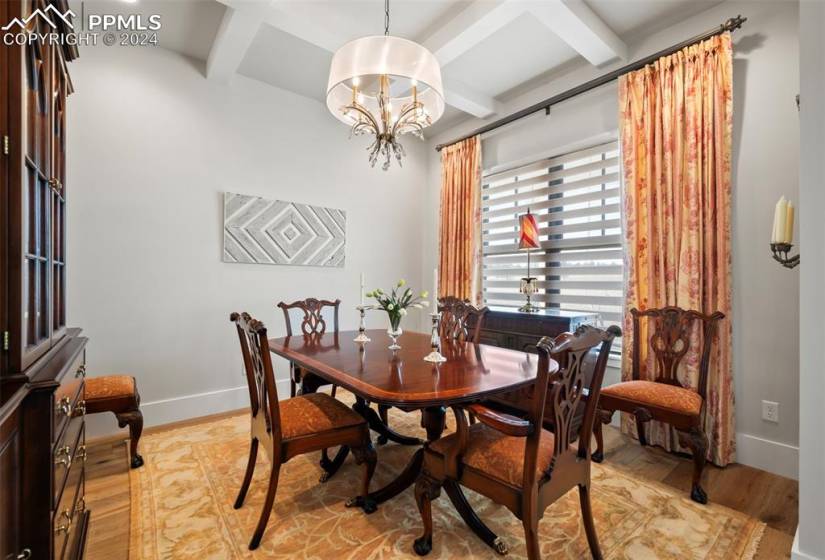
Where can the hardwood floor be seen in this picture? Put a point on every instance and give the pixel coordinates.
(766, 496)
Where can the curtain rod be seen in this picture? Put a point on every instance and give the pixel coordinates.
(729, 25)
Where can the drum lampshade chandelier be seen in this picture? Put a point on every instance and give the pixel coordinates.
(385, 86)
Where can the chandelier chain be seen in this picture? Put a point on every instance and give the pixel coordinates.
(386, 17)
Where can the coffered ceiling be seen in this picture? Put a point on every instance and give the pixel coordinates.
(486, 47)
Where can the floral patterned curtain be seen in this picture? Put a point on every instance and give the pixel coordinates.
(675, 127)
(460, 221)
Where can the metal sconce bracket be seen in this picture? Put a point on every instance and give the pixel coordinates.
(780, 254)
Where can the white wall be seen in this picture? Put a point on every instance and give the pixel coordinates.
(765, 151)
(152, 146)
(810, 539)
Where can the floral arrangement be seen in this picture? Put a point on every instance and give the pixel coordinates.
(397, 302)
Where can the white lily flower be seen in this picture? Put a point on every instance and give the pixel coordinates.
(403, 312)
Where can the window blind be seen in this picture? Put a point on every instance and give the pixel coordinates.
(575, 198)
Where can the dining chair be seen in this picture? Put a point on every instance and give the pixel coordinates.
(460, 320)
(294, 426)
(313, 323)
(666, 398)
(516, 462)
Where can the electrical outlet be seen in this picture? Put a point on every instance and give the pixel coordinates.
(770, 411)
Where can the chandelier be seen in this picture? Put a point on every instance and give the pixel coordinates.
(385, 86)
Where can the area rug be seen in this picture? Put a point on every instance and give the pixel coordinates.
(182, 508)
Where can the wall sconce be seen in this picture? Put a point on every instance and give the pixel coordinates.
(782, 235)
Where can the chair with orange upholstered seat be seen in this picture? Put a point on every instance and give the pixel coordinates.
(516, 462)
(295, 426)
(666, 398)
(118, 394)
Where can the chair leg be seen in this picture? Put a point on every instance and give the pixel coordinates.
(334, 388)
(642, 416)
(697, 441)
(530, 522)
(602, 417)
(427, 489)
(267, 508)
(247, 477)
(365, 455)
(589, 527)
(133, 419)
(291, 387)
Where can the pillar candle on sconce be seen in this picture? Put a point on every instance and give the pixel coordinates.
(782, 233)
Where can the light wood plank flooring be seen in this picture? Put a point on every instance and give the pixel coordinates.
(768, 497)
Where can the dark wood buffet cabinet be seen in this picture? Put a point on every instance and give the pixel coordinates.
(42, 362)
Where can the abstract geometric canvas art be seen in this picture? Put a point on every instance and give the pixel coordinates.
(261, 231)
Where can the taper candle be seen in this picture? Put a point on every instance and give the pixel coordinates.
(435, 290)
(362, 289)
(788, 233)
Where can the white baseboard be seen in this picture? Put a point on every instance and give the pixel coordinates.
(175, 409)
(772, 456)
(797, 554)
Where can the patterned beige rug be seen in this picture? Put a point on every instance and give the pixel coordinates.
(182, 508)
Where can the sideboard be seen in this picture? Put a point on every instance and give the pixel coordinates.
(508, 327)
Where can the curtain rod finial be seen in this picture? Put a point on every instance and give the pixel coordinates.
(734, 23)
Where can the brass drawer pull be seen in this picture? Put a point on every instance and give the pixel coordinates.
(79, 409)
(81, 371)
(24, 554)
(80, 453)
(81, 506)
(63, 457)
(65, 528)
(63, 406)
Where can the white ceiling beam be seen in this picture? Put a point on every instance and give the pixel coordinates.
(238, 28)
(579, 26)
(472, 25)
(464, 98)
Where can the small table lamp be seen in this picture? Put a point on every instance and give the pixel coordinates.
(528, 239)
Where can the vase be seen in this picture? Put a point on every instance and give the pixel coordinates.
(394, 332)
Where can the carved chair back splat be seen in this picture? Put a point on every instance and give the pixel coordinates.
(670, 331)
(313, 321)
(458, 317)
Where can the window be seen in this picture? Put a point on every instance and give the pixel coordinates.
(575, 198)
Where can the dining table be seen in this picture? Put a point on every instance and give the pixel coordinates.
(402, 378)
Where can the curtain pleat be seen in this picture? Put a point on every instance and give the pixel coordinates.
(460, 221)
(676, 128)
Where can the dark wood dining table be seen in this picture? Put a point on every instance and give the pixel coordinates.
(377, 375)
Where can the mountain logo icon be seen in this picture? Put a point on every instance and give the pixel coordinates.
(45, 15)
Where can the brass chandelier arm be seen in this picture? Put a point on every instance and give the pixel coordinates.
(362, 111)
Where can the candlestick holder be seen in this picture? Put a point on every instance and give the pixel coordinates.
(435, 342)
(780, 254)
(362, 324)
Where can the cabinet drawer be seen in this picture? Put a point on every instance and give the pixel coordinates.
(67, 516)
(68, 397)
(69, 456)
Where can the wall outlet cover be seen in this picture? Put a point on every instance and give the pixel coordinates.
(770, 411)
